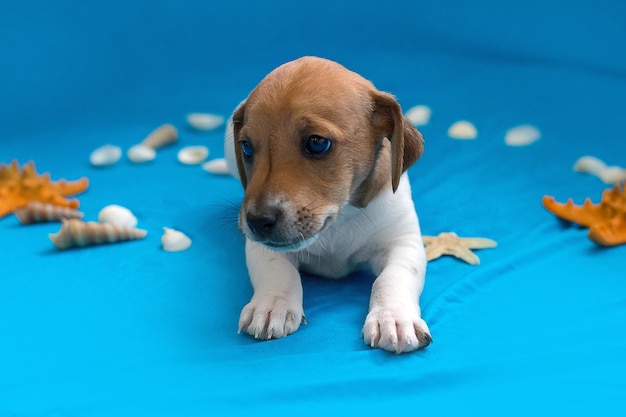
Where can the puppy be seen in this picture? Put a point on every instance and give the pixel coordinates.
(322, 155)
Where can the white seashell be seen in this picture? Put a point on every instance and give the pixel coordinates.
(216, 166)
(76, 233)
(141, 153)
(174, 241)
(117, 215)
(105, 155)
(418, 115)
(462, 130)
(161, 136)
(613, 174)
(522, 135)
(589, 164)
(204, 121)
(192, 155)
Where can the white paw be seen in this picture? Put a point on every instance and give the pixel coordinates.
(271, 317)
(395, 330)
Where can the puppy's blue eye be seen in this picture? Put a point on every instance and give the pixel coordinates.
(317, 145)
(246, 148)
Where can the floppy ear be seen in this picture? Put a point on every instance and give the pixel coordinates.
(407, 144)
(237, 125)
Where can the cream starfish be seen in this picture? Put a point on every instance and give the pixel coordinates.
(451, 244)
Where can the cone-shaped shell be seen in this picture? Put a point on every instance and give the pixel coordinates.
(76, 233)
(161, 136)
(37, 212)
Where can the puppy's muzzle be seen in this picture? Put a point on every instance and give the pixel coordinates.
(282, 228)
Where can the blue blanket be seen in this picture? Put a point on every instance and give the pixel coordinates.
(538, 328)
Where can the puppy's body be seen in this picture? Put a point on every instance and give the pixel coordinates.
(321, 154)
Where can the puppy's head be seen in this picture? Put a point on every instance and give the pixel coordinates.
(311, 138)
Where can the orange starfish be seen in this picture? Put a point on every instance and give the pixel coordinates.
(606, 221)
(18, 188)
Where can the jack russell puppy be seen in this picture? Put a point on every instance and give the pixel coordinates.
(322, 155)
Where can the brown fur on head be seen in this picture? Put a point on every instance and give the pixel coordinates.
(371, 146)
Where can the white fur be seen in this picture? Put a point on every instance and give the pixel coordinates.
(384, 236)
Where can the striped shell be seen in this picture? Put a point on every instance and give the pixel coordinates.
(76, 233)
(37, 212)
(161, 136)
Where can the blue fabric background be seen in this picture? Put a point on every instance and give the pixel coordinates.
(539, 328)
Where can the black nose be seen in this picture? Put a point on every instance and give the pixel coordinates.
(263, 224)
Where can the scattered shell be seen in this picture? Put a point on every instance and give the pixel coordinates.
(37, 212)
(204, 121)
(192, 155)
(216, 166)
(462, 130)
(76, 233)
(593, 165)
(105, 155)
(117, 216)
(522, 135)
(141, 153)
(613, 174)
(161, 136)
(589, 164)
(418, 115)
(174, 240)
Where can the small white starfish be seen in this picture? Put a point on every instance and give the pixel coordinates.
(459, 247)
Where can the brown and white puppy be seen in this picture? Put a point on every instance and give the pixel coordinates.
(321, 154)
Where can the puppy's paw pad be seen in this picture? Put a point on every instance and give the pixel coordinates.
(271, 317)
(395, 331)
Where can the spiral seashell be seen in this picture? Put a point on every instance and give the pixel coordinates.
(117, 216)
(161, 136)
(174, 240)
(37, 212)
(76, 233)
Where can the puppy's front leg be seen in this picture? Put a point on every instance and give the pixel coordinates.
(394, 320)
(275, 309)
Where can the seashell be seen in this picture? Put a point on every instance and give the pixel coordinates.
(37, 212)
(216, 166)
(522, 135)
(589, 164)
(418, 115)
(174, 240)
(76, 233)
(141, 153)
(462, 130)
(204, 121)
(613, 174)
(191, 155)
(105, 155)
(161, 136)
(117, 216)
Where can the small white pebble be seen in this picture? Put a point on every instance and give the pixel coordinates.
(174, 241)
(191, 155)
(105, 155)
(613, 174)
(216, 166)
(522, 135)
(204, 121)
(141, 153)
(589, 164)
(418, 115)
(462, 130)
